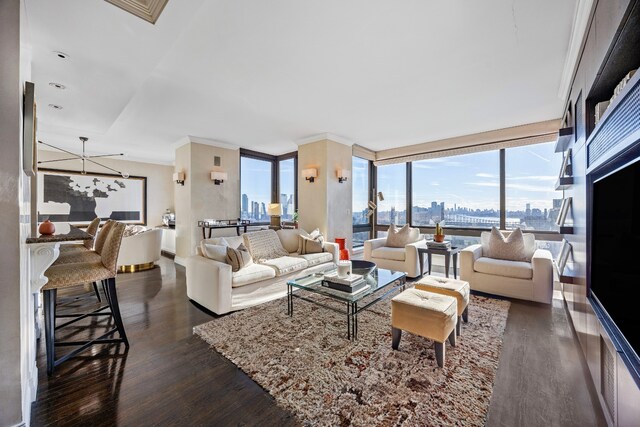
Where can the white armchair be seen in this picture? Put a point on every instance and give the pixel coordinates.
(398, 259)
(531, 281)
(140, 251)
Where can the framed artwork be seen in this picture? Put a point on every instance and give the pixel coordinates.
(69, 196)
(29, 151)
(564, 210)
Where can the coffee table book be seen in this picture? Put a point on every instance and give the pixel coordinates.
(350, 289)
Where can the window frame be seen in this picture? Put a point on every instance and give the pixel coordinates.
(369, 226)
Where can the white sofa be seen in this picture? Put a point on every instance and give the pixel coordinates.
(398, 259)
(531, 281)
(214, 286)
(140, 251)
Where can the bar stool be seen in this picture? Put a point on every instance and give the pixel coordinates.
(92, 229)
(75, 274)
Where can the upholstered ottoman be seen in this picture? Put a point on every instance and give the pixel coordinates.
(459, 289)
(429, 315)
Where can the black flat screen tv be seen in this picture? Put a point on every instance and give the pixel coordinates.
(615, 250)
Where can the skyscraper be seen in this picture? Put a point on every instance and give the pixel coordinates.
(245, 205)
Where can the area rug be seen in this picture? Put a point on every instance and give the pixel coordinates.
(306, 363)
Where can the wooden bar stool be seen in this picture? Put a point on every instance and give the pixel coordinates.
(74, 274)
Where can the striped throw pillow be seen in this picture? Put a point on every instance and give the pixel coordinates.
(238, 258)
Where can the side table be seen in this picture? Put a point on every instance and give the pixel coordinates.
(447, 253)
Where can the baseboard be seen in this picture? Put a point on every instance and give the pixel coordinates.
(168, 254)
(180, 261)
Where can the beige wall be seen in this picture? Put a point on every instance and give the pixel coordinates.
(200, 198)
(159, 183)
(13, 265)
(325, 203)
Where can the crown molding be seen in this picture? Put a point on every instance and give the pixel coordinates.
(324, 136)
(204, 141)
(584, 9)
(149, 10)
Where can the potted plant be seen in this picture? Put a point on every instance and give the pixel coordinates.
(294, 218)
(439, 235)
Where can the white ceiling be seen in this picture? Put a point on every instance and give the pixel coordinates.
(265, 74)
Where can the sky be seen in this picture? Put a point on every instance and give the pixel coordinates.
(471, 180)
(256, 179)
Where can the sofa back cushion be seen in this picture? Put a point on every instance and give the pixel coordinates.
(289, 238)
(215, 252)
(510, 248)
(530, 245)
(264, 245)
(402, 237)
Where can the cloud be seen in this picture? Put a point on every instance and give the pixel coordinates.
(484, 184)
(534, 178)
(485, 175)
(538, 156)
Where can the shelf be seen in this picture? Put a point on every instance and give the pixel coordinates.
(565, 135)
(570, 276)
(564, 182)
(566, 229)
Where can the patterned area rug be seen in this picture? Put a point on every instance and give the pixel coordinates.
(310, 368)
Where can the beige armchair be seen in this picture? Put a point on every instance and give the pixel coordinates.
(398, 259)
(531, 281)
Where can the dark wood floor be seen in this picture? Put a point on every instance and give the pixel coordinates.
(170, 377)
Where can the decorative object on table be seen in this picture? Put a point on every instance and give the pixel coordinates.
(344, 269)
(274, 211)
(622, 84)
(362, 267)
(84, 158)
(344, 252)
(47, 228)
(381, 377)
(439, 235)
(77, 198)
(169, 219)
(564, 210)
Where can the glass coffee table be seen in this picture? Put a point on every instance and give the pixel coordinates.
(381, 283)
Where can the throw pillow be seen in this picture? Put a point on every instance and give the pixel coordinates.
(238, 258)
(215, 252)
(264, 245)
(400, 238)
(308, 245)
(511, 248)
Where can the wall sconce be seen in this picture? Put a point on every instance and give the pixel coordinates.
(380, 196)
(178, 177)
(218, 177)
(342, 175)
(310, 174)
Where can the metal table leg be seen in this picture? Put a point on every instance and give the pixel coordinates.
(455, 265)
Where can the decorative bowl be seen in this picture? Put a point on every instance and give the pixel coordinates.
(362, 267)
(438, 238)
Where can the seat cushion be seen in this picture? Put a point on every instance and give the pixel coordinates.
(73, 274)
(286, 264)
(385, 252)
(251, 274)
(424, 313)
(315, 259)
(459, 289)
(501, 267)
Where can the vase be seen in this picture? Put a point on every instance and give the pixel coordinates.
(438, 238)
(47, 228)
(342, 250)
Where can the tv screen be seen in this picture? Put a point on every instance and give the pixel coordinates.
(615, 250)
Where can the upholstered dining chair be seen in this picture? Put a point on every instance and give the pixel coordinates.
(91, 229)
(75, 274)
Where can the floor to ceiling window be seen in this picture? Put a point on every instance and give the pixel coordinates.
(459, 191)
(392, 183)
(255, 188)
(287, 189)
(360, 175)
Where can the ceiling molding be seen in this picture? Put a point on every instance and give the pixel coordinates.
(204, 141)
(576, 42)
(324, 136)
(149, 10)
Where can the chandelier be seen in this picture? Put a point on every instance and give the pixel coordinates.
(83, 157)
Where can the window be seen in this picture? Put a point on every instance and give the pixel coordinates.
(461, 191)
(255, 188)
(360, 176)
(392, 183)
(532, 203)
(286, 181)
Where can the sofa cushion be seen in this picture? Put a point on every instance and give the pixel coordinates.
(264, 245)
(215, 252)
(309, 245)
(289, 238)
(530, 245)
(238, 258)
(319, 258)
(286, 264)
(251, 274)
(385, 252)
(510, 247)
(505, 268)
(402, 237)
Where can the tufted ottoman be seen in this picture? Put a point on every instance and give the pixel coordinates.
(459, 289)
(427, 314)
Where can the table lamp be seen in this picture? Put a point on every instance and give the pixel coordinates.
(275, 210)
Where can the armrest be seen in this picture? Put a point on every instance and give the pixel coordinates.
(468, 257)
(542, 265)
(333, 249)
(370, 245)
(209, 283)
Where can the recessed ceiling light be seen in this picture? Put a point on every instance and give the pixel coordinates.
(55, 106)
(58, 85)
(61, 55)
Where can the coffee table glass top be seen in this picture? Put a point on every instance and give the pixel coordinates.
(378, 279)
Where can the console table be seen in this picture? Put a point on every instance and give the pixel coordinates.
(222, 223)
